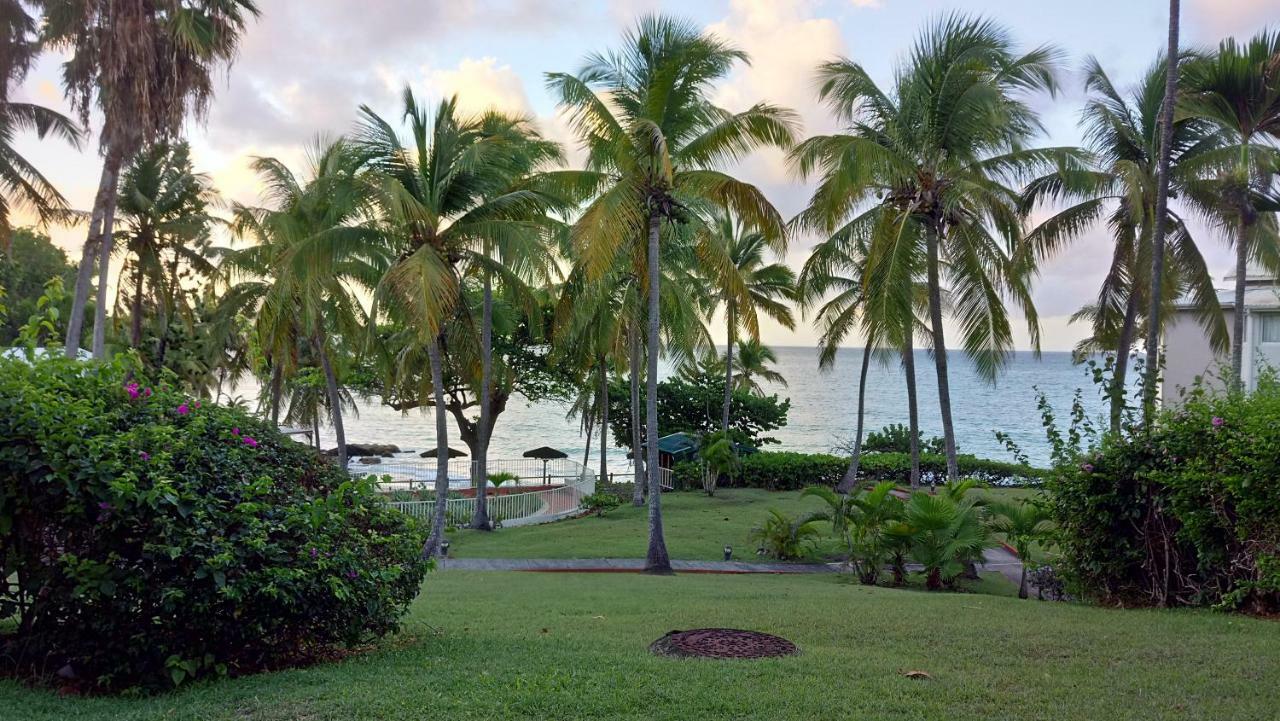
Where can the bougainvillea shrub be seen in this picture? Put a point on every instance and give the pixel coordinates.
(150, 538)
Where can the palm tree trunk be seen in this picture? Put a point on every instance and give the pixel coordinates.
(88, 256)
(277, 380)
(1120, 375)
(591, 426)
(432, 546)
(851, 476)
(656, 559)
(604, 422)
(913, 408)
(335, 398)
(1022, 582)
(480, 466)
(1162, 204)
(728, 370)
(1238, 311)
(112, 161)
(637, 459)
(940, 355)
(135, 335)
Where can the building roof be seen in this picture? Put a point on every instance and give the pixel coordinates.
(1262, 290)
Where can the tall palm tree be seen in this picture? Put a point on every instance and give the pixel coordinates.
(318, 248)
(146, 65)
(654, 141)
(733, 255)
(926, 169)
(1119, 186)
(454, 192)
(22, 186)
(163, 204)
(753, 361)
(1238, 90)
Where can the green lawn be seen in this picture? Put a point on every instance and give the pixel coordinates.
(573, 646)
(696, 528)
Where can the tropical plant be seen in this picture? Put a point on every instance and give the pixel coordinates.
(719, 458)
(600, 503)
(921, 177)
(1023, 524)
(31, 261)
(453, 193)
(1120, 186)
(785, 537)
(944, 533)
(146, 66)
(896, 438)
(653, 140)
(1237, 89)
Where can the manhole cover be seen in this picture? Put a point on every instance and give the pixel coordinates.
(722, 643)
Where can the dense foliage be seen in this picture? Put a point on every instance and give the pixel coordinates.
(692, 404)
(150, 539)
(1184, 515)
(896, 438)
(31, 261)
(786, 470)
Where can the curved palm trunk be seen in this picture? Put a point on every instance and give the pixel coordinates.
(851, 475)
(277, 381)
(913, 408)
(1238, 311)
(480, 464)
(637, 459)
(135, 334)
(104, 261)
(728, 370)
(656, 560)
(1119, 376)
(1157, 241)
(432, 546)
(591, 426)
(940, 356)
(604, 422)
(88, 256)
(335, 398)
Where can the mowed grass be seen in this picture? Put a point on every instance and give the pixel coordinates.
(696, 527)
(573, 646)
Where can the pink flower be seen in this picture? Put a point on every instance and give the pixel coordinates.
(144, 455)
(1217, 422)
(146, 392)
(197, 404)
(183, 409)
(1088, 468)
(353, 574)
(314, 553)
(132, 390)
(250, 441)
(235, 432)
(104, 506)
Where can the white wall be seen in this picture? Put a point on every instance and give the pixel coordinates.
(1187, 355)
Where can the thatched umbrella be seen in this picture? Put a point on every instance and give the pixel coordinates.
(453, 453)
(546, 454)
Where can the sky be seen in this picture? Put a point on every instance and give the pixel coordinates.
(306, 66)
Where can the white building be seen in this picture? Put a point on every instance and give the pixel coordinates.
(1188, 355)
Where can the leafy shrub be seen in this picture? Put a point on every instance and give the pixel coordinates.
(786, 538)
(600, 503)
(943, 533)
(1184, 514)
(896, 438)
(497, 478)
(153, 540)
(788, 471)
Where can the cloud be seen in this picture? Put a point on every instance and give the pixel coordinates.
(481, 84)
(1208, 21)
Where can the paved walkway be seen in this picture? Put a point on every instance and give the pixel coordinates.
(998, 559)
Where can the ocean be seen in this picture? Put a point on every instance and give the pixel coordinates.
(823, 409)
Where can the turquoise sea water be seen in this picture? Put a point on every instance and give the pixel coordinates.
(823, 408)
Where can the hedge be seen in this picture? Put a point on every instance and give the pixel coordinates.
(786, 470)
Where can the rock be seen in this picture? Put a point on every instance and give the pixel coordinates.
(370, 460)
(366, 449)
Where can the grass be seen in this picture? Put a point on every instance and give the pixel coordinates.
(573, 646)
(695, 527)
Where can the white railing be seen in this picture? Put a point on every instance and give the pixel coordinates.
(558, 494)
(666, 479)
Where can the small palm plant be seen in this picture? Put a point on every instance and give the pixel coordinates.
(1022, 523)
(862, 522)
(784, 537)
(719, 458)
(944, 532)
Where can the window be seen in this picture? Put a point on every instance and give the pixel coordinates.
(1269, 327)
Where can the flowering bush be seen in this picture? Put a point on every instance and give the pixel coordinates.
(1183, 515)
(151, 540)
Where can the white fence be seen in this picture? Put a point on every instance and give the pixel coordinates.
(556, 490)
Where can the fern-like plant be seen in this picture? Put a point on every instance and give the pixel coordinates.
(786, 538)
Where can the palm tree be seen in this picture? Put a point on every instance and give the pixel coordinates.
(21, 184)
(753, 361)
(924, 170)
(654, 140)
(945, 532)
(454, 191)
(1120, 186)
(1238, 90)
(1022, 523)
(318, 248)
(146, 65)
(734, 256)
(163, 204)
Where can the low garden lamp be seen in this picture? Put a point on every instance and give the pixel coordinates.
(728, 552)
